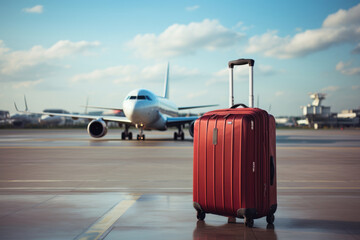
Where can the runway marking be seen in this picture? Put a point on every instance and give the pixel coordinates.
(318, 148)
(103, 225)
(55, 180)
(318, 181)
(124, 189)
(318, 188)
(143, 190)
(163, 147)
(96, 147)
(113, 180)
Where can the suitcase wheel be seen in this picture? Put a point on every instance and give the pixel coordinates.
(270, 218)
(200, 216)
(249, 222)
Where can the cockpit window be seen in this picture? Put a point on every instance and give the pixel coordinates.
(141, 97)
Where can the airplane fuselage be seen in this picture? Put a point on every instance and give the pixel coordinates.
(143, 108)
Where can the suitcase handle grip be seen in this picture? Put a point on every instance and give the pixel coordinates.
(238, 105)
(241, 61)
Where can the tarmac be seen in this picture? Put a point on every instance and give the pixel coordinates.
(63, 184)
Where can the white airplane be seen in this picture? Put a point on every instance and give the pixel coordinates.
(142, 109)
(47, 120)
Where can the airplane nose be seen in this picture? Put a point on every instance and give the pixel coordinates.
(139, 112)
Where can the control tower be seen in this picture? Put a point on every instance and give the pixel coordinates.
(316, 114)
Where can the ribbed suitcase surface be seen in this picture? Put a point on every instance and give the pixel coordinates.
(234, 164)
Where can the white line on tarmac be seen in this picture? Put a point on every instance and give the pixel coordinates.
(79, 189)
(96, 147)
(103, 225)
(142, 190)
(55, 181)
(318, 148)
(318, 181)
(163, 147)
(114, 180)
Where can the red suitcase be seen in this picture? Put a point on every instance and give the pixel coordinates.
(235, 163)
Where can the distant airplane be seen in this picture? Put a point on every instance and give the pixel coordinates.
(48, 120)
(22, 120)
(142, 109)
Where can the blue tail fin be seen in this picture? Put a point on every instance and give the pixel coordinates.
(166, 84)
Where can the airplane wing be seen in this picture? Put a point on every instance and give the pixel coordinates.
(104, 108)
(192, 107)
(176, 121)
(83, 116)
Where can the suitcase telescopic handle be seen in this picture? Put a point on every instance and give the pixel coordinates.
(241, 61)
(238, 105)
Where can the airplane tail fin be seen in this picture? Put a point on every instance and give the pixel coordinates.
(16, 107)
(26, 106)
(87, 104)
(166, 84)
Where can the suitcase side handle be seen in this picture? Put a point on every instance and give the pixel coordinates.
(272, 170)
(239, 104)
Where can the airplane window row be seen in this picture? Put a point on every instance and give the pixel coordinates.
(140, 97)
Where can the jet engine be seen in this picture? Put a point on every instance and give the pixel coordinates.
(97, 128)
(191, 128)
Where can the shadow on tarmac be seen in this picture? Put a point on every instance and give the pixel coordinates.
(232, 231)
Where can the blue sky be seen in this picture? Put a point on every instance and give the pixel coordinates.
(58, 53)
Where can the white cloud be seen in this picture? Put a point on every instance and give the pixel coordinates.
(27, 84)
(120, 73)
(131, 73)
(192, 8)
(344, 69)
(35, 9)
(12, 62)
(196, 94)
(267, 70)
(240, 73)
(3, 49)
(279, 93)
(179, 39)
(330, 89)
(240, 25)
(356, 87)
(343, 18)
(337, 28)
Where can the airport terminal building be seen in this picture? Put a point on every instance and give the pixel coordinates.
(319, 116)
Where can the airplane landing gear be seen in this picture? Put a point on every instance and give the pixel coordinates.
(126, 134)
(180, 134)
(141, 136)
